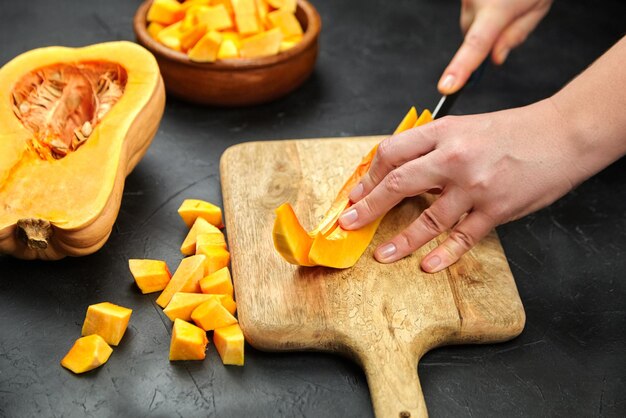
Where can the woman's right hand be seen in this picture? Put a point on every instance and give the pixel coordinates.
(490, 27)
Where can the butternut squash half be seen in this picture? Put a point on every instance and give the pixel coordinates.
(74, 122)
(328, 244)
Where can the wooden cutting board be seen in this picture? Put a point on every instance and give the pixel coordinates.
(383, 316)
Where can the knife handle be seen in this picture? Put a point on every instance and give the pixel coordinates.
(451, 98)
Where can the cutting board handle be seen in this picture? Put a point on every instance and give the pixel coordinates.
(393, 382)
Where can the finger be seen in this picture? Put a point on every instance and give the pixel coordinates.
(474, 227)
(435, 220)
(409, 179)
(468, 13)
(515, 34)
(476, 46)
(392, 153)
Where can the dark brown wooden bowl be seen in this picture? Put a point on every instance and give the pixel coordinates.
(235, 82)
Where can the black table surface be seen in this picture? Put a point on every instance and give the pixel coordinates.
(377, 58)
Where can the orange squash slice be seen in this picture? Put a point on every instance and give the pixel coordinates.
(328, 244)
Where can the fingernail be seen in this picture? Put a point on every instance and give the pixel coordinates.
(386, 251)
(448, 82)
(349, 217)
(356, 192)
(433, 262)
(504, 54)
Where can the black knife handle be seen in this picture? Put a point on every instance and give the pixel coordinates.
(473, 80)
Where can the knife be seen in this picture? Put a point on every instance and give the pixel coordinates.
(447, 101)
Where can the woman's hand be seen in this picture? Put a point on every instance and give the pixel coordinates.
(495, 167)
(490, 169)
(490, 26)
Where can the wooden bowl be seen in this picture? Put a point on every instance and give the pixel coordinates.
(235, 82)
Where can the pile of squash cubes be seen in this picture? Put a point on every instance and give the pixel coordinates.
(210, 30)
(198, 298)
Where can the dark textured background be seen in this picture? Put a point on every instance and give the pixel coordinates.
(377, 58)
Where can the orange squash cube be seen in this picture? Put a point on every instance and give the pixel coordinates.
(200, 226)
(150, 275)
(107, 320)
(218, 283)
(185, 279)
(86, 354)
(288, 44)
(228, 49)
(191, 36)
(207, 47)
(188, 342)
(262, 44)
(171, 35)
(244, 7)
(246, 17)
(226, 3)
(191, 4)
(287, 5)
(248, 24)
(229, 303)
(165, 12)
(230, 343)
(187, 5)
(190, 20)
(206, 242)
(192, 209)
(262, 9)
(154, 28)
(183, 303)
(232, 36)
(215, 18)
(212, 314)
(216, 258)
(286, 22)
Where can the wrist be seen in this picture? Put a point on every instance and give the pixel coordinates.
(591, 110)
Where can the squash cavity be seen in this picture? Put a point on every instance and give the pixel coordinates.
(61, 104)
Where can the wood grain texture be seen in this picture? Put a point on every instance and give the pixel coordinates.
(237, 81)
(384, 316)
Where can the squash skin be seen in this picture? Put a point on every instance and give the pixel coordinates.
(138, 116)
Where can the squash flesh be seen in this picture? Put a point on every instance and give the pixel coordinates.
(200, 227)
(286, 21)
(191, 209)
(229, 342)
(205, 242)
(165, 12)
(216, 258)
(185, 279)
(262, 44)
(218, 283)
(215, 17)
(183, 303)
(86, 354)
(211, 315)
(188, 342)
(107, 320)
(328, 244)
(150, 275)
